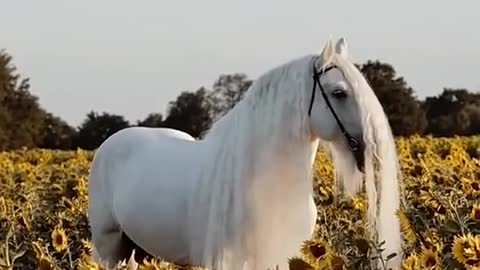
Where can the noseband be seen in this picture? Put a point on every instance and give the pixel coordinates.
(352, 142)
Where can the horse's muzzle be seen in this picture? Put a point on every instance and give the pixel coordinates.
(359, 155)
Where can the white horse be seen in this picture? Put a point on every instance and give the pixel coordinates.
(241, 198)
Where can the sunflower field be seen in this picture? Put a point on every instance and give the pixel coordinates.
(43, 204)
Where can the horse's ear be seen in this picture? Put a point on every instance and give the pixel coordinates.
(328, 52)
(341, 47)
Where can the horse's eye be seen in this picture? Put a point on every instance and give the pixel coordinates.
(339, 93)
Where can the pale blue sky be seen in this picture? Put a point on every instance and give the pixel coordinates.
(133, 57)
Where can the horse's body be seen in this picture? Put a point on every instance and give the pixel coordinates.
(241, 198)
(156, 213)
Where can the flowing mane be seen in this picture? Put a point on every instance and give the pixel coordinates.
(276, 94)
(262, 140)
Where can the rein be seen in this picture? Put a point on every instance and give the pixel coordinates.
(353, 144)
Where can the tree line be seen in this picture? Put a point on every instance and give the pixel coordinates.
(25, 123)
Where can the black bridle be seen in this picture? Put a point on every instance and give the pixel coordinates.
(351, 141)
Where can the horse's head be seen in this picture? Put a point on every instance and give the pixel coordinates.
(335, 114)
(345, 112)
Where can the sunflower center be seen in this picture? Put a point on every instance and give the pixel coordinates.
(475, 186)
(59, 239)
(477, 214)
(318, 250)
(431, 261)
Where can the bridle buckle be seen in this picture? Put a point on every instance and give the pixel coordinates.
(353, 144)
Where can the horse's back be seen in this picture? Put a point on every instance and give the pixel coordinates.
(173, 133)
(137, 133)
(141, 155)
(137, 146)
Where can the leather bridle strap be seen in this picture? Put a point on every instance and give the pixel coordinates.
(352, 142)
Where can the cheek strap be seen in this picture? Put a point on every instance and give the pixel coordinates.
(353, 144)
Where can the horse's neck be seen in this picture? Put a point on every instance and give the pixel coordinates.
(248, 191)
(252, 164)
(278, 206)
(284, 165)
(264, 141)
(284, 182)
(259, 166)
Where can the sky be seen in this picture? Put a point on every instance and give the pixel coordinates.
(132, 57)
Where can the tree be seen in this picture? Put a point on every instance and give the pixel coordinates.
(21, 117)
(191, 112)
(57, 134)
(228, 90)
(152, 120)
(403, 110)
(453, 112)
(97, 128)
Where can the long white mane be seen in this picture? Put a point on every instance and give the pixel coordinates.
(261, 140)
(261, 168)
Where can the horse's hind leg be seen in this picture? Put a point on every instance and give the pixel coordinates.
(108, 241)
(107, 237)
(112, 245)
(128, 246)
(109, 250)
(106, 233)
(116, 246)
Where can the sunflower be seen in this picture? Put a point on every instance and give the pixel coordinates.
(466, 250)
(325, 194)
(296, 263)
(3, 206)
(359, 204)
(432, 202)
(469, 185)
(44, 262)
(427, 198)
(86, 264)
(407, 226)
(417, 171)
(475, 185)
(56, 188)
(149, 265)
(339, 262)
(430, 259)
(475, 215)
(59, 239)
(318, 254)
(437, 178)
(410, 162)
(87, 249)
(22, 221)
(411, 263)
